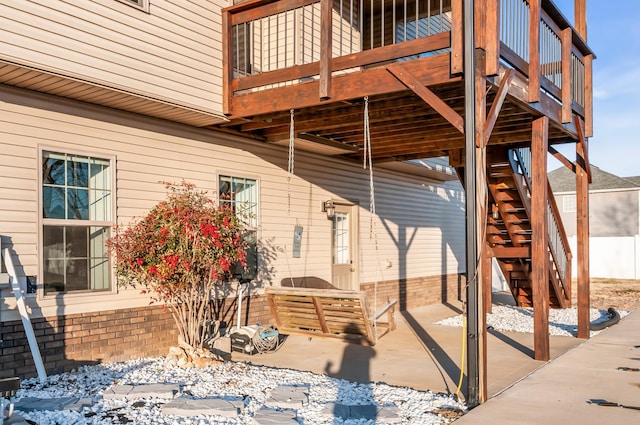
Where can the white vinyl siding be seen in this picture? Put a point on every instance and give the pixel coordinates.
(420, 227)
(173, 53)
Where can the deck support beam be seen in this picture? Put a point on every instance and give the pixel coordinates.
(413, 84)
(563, 159)
(496, 106)
(539, 254)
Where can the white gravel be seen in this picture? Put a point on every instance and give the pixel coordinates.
(228, 379)
(562, 322)
(253, 384)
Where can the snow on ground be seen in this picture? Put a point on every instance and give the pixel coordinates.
(229, 379)
(562, 322)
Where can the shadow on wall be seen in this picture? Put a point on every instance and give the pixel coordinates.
(224, 303)
(449, 240)
(15, 353)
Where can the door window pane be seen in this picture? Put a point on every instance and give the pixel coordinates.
(341, 238)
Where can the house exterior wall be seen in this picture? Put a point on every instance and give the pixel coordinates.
(614, 232)
(413, 248)
(611, 213)
(173, 52)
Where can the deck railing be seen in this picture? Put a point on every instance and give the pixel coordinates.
(275, 42)
(283, 34)
(537, 40)
(559, 251)
(269, 43)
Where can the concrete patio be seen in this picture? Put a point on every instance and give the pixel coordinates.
(418, 354)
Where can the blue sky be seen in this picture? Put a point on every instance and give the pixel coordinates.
(613, 32)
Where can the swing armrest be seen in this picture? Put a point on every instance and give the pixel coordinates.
(388, 308)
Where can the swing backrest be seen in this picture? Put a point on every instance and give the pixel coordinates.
(327, 313)
(312, 282)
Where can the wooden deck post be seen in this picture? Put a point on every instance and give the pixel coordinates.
(582, 182)
(487, 280)
(326, 10)
(582, 232)
(457, 41)
(492, 37)
(539, 254)
(227, 67)
(483, 272)
(588, 96)
(580, 17)
(535, 8)
(567, 109)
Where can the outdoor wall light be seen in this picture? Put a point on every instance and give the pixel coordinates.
(329, 208)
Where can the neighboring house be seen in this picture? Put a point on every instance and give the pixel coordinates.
(102, 100)
(614, 220)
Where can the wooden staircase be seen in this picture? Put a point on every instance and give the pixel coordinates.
(509, 234)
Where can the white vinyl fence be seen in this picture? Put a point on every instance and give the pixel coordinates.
(611, 257)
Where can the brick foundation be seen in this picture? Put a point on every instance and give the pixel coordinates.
(70, 341)
(419, 292)
(67, 342)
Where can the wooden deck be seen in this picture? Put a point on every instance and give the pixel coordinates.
(415, 87)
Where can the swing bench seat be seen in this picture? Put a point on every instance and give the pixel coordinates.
(328, 313)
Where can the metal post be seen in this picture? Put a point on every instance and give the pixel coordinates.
(473, 347)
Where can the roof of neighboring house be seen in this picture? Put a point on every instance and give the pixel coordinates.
(634, 179)
(564, 180)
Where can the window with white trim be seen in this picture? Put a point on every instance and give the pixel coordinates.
(241, 196)
(76, 220)
(569, 203)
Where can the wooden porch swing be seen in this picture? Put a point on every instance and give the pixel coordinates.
(329, 313)
(315, 308)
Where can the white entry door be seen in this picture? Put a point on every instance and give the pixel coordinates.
(344, 248)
